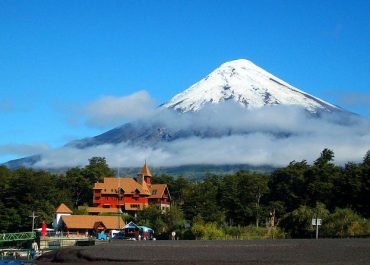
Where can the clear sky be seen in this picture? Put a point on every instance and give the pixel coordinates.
(58, 57)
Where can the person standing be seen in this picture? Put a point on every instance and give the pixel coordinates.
(34, 249)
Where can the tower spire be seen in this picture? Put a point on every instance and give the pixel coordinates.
(145, 174)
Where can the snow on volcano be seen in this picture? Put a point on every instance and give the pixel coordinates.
(244, 82)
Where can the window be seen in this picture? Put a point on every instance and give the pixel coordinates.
(97, 198)
(154, 192)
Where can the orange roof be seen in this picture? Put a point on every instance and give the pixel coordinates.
(112, 185)
(145, 171)
(62, 208)
(90, 221)
(157, 191)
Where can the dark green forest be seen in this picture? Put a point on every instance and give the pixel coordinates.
(238, 205)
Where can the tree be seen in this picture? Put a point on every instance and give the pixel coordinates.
(241, 196)
(347, 187)
(201, 200)
(298, 222)
(364, 195)
(259, 188)
(177, 189)
(230, 199)
(153, 217)
(287, 186)
(177, 186)
(207, 200)
(174, 218)
(78, 186)
(326, 157)
(79, 182)
(29, 190)
(97, 169)
(320, 179)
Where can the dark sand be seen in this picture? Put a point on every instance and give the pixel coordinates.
(323, 251)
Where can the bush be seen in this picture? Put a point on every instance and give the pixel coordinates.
(344, 223)
(252, 232)
(207, 231)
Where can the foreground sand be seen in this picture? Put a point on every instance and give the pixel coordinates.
(323, 251)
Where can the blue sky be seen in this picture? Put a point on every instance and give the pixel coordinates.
(59, 58)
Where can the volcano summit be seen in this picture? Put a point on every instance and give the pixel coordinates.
(249, 85)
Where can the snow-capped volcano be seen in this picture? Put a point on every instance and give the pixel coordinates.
(183, 135)
(244, 82)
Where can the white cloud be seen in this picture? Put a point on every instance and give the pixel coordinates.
(269, 136)
(120, 155)
(111, 111)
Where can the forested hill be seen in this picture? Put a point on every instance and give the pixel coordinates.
(340, 195)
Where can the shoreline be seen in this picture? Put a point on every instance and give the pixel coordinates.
(284, 251)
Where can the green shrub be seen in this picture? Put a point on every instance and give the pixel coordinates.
(344, 223)
(207, 231)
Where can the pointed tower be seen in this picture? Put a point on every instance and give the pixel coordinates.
(145, 175)
(59, 212)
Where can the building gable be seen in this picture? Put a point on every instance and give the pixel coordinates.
(62, 208)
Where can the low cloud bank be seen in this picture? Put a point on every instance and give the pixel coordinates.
(111, 111)
(268, 136)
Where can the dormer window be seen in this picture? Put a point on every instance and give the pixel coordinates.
(136, 193)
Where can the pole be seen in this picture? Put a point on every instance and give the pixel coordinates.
(33, 216)
(317, 229)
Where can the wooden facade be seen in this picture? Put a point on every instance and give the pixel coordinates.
(129, 194)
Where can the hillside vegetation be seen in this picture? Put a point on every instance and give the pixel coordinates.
(234, 206)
